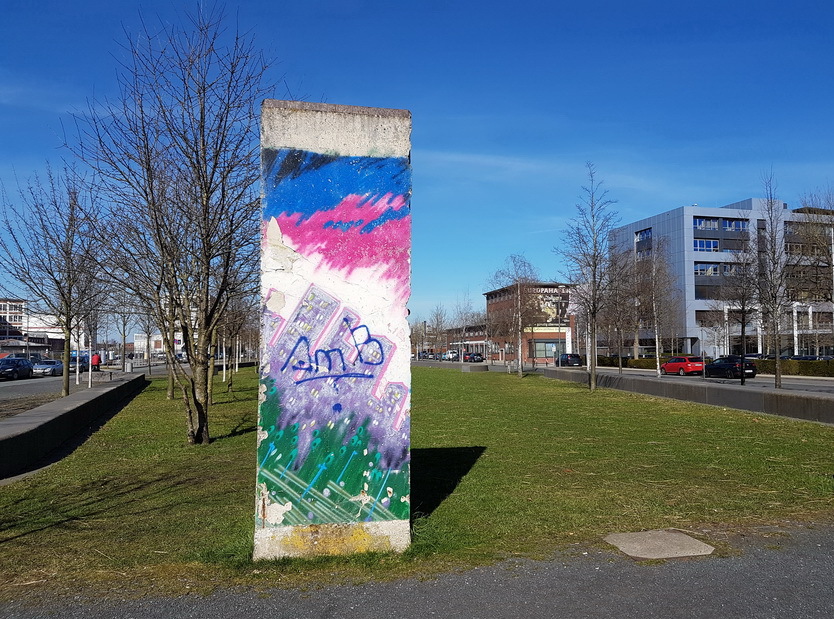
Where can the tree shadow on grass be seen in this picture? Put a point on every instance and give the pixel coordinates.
(246, 423)
(99, 497)
(436, 472)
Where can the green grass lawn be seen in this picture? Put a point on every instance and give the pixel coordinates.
(529, 466)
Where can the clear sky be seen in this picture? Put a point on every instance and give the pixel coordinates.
(675, 102)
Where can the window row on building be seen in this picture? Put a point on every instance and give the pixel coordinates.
(720, 223)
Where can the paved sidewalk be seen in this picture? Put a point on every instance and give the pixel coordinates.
(781, 573)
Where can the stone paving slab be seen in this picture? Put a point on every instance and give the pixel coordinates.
(662, 544)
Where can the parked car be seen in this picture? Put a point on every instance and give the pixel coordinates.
(48, 367)
(683, 366)
(569, 359)
(84, 366)
(731, 366)
(451, 355)
(467, 356)
(12, 369)
(474, 357)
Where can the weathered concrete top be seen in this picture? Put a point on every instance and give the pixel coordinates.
(345, 130)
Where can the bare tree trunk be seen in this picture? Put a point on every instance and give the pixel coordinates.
(592, 357)
(65, 358)
(211, 369)
(198, 431)
(777, 341)
(148, 349)
(520, 330)
(170, 355)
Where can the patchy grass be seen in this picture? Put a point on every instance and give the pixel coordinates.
(501, 467)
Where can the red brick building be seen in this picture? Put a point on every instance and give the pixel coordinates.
(548, 327)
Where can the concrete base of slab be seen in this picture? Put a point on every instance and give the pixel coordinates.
(474, 368)
(667, 544)
(332, 539)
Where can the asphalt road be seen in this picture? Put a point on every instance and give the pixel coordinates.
(773, 573)
(24, 387)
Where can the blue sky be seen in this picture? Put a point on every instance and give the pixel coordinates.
(675, 102)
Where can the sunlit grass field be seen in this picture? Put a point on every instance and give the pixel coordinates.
(501, 467)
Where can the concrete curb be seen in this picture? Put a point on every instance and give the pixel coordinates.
(27, 438)
(810, 407)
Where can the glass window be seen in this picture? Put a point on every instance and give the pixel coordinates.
(707, 292)
(544, 348)
(705, 245)
(643, 235)
(705, 223)
(706, 269)
(735, 225)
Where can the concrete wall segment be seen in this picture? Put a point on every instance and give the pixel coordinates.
(334, 432)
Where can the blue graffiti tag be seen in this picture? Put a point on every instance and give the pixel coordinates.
(329, 363)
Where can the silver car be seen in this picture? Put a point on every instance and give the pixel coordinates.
(48, 367)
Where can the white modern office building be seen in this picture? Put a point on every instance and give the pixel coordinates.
(699, 244)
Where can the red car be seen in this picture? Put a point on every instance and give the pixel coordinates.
(683, 366)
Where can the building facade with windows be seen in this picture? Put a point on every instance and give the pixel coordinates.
(547, 321)
(699, 245)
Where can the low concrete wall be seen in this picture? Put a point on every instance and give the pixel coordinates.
(28, 437)
(812, 407)
(470, 367)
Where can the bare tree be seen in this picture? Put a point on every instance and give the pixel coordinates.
(738, 285)
(417, 327)
(176, 156)
(620, 312)
(124, 317)
(463, 315)
(657, 294)
(437, 326)
(521, 309)
(44, 241)
(812, 274)
(587, 258)
(773, 268)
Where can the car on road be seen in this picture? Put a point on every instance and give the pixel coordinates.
(731, 366)
(473, 357)
(48, 367)
(683, 366)
(566, 359)
(12, 369)
(84, 366)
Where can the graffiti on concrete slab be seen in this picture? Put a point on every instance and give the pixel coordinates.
(334, 435)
